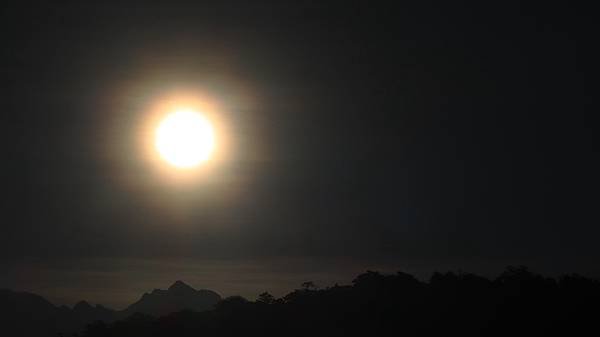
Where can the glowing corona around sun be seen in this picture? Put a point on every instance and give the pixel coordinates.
(185, 139)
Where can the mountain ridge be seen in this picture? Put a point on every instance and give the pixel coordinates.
(177, 297)
(41, 317)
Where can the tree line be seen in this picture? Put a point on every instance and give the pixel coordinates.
(516, 303)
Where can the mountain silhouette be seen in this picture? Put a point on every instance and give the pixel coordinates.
(179, 296)
(181, 288)
(83, 313)
(30, 315)
(516, 303)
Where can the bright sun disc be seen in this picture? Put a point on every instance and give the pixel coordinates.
(185, 138)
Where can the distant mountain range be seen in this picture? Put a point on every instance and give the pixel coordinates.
(30, 315)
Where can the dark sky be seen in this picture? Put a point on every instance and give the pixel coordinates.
(414, 137)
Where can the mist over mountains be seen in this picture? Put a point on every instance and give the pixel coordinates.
(31, 315)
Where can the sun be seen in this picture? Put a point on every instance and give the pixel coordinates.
(185, 138)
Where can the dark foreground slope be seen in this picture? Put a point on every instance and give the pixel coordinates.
(517, 303)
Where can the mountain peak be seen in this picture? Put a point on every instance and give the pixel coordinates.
(181, 287)
(82, 305)
(177, 297)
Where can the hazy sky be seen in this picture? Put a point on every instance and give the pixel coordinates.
(358, 136)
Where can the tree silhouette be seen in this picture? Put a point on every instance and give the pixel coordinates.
(517, 303)
(309, 285)
(265, 298)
